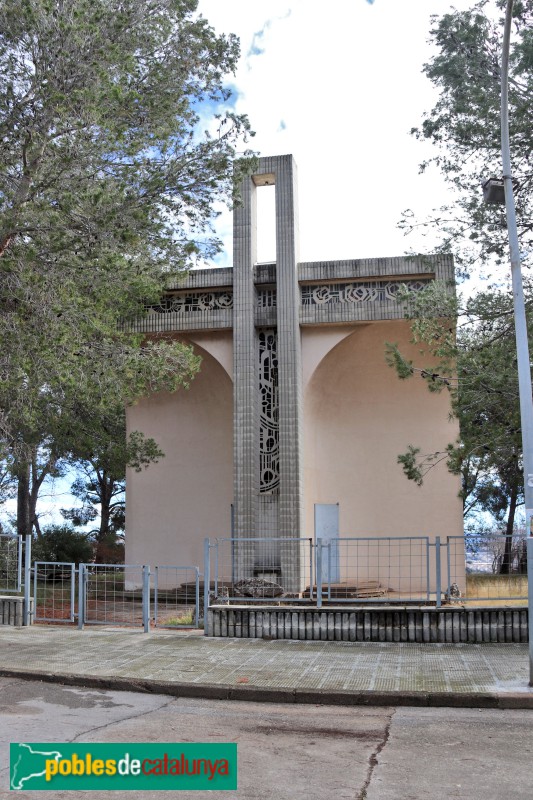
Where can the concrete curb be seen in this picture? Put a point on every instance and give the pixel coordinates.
(260, 694)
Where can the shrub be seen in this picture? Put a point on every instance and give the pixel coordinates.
(62, 543)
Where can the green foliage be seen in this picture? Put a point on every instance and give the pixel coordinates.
(395, 359)
(62, 543)
(464, 125)
(477, 366)
(100, 105)
(107, 187)
(100, 486)
(8, 486)
(415, 467)
(106, 191)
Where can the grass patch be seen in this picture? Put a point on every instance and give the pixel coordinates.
(494, 586)
(184, 620)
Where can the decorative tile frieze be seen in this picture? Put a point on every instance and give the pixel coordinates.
(189, 302)
(360, 292)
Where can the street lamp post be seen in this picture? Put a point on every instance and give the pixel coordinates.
(522, 349)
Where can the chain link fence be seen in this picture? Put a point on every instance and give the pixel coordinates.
(259, 570)
(478, 569)
(370, 569)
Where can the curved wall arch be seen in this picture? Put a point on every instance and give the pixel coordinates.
(218, 344)
(316, 344)
(174, 504)
(358, 416)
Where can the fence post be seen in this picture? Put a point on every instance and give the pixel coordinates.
(26, 620)
(329, 569)
(197, 597)
(207, 585)
(318, 565)
(428, 568)
(81, 596)
(72, 591)
(438, 570)
(529, 551)
(19, 563)
(449, 564)
(311, 593)
(35, 590)
(215, 580)
(156, 592)
(146, 598)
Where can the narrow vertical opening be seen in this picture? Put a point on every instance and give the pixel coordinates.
(266, 223)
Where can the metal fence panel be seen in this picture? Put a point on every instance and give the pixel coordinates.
(374, 569)
(10, 563)
(176, 597)
(115, 594)
(260, 570)
(496, 567)
(54, 591)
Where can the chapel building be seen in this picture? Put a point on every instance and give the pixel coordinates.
(294, 424)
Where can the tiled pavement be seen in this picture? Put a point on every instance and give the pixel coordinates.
(189, 664)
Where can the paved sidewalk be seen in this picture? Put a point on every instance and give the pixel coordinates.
(346, 673)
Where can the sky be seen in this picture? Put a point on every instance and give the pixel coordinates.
(339, 86)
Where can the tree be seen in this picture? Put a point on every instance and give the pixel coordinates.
(479, 369)
(477, 366)
(464, 126)
(100, 485)
(106, 194)
(7, 482)
(43, 464)
(98, 490)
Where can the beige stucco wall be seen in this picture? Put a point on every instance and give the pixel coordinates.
(174, 504)
(358, 416)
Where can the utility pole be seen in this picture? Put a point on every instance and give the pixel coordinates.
(522, 348)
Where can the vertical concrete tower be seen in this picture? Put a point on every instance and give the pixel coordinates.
(267, 366)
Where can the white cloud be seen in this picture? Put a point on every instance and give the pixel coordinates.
(339, 86)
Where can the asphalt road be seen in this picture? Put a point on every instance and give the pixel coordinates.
(289, 752)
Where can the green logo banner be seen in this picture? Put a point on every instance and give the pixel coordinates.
(118, 766)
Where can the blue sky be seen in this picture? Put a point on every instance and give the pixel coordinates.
(339, 86)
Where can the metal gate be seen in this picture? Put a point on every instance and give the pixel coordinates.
(115, 594)
(54, 591)
(176, 597)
